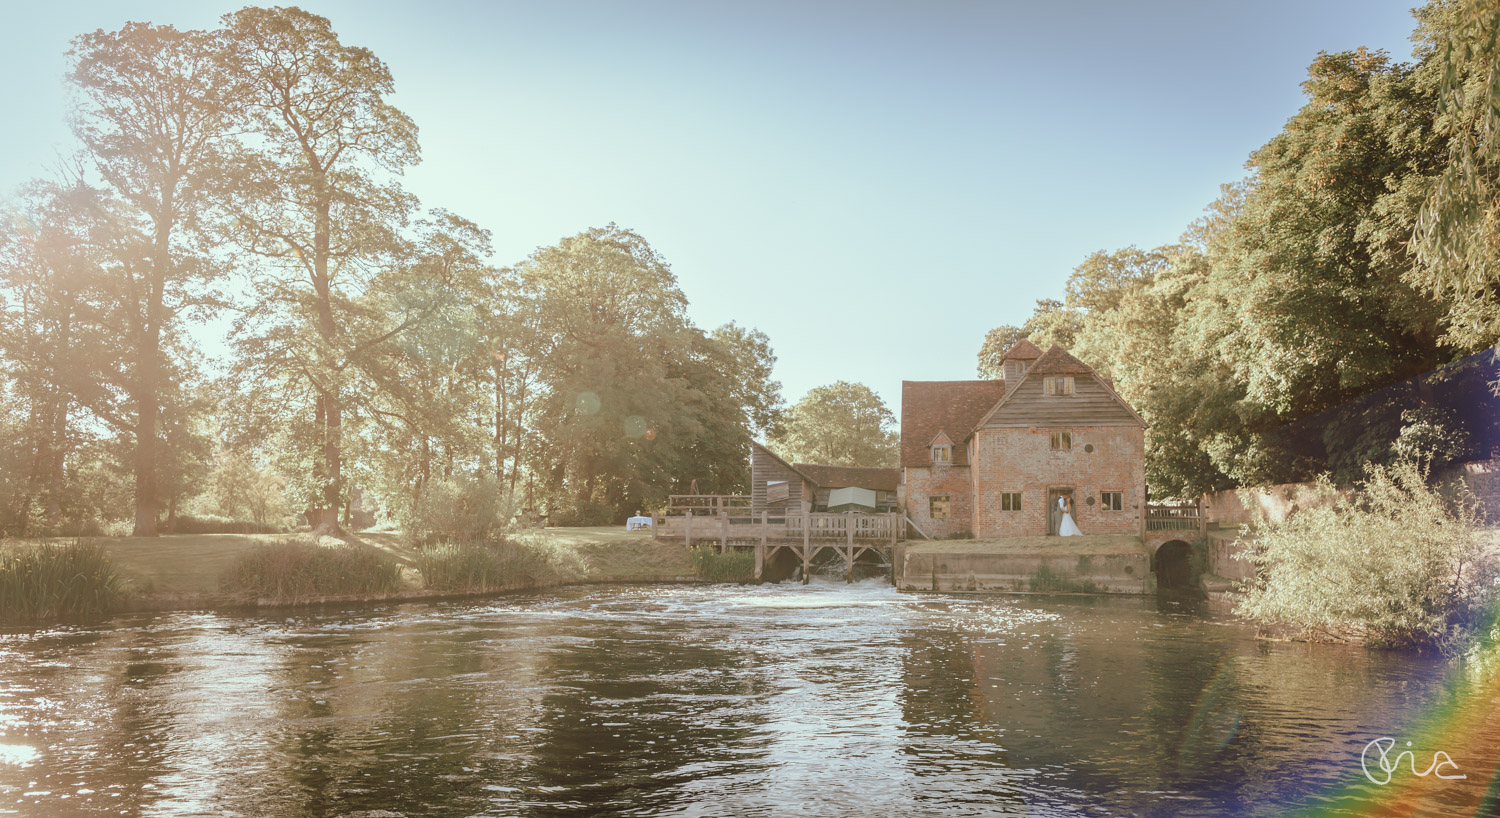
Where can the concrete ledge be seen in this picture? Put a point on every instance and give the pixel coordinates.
(1090, 564)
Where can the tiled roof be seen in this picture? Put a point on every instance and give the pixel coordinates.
(1022, 350)
(844, 476)
(1057, 361)
(951, 407)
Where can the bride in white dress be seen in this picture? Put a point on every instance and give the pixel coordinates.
(1067, 528)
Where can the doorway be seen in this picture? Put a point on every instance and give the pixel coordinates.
(1054, 514)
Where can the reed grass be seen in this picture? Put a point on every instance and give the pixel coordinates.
(57, 580)
(734, 565)
(522, 562)
(295, 569)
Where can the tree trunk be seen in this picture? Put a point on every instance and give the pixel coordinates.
(147, 380)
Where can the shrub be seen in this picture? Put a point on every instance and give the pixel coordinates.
(43, 581)
(296, 569)
(1393, 563)
(514, 563)
(466, 512)
(586, 513)
(734, 565)
(214, 524)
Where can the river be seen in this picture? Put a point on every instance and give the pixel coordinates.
(826, 699)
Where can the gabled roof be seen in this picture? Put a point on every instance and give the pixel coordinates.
(1022, 350)
(1055, 361)
(873, 479)
(948, 407)
(782, 462)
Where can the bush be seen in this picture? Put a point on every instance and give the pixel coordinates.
(297, 569)
(466, 512)
(44, 581)
(214, 524)
(516, 563)
(734, 565)
(586, 514)
(1393, 563)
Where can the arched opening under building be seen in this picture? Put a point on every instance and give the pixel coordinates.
(1174, 566)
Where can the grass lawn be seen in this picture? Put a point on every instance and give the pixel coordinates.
(193, 563)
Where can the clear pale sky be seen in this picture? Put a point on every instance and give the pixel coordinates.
(874, 185)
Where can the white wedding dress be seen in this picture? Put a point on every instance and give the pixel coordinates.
(1067, 528)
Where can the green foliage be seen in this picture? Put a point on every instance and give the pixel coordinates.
(210, 524)
(238, 488)
(1458, 234)
(296, 569)
(46, 581)
(733, 565)
(1394, 563)
(842, 424)
(519, 563)
(472, 511)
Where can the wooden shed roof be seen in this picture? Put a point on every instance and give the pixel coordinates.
(873, 479)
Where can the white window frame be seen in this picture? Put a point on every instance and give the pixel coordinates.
(1005, 497)
(942, 453)
(1104, 505)
(1060, 437)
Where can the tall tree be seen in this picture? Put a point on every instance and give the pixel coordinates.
(315, 197)
(154, 108)
(842, 424)
(1457, 236)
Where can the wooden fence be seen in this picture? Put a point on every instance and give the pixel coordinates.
(1174, 518)
(711, 505)
(806, 528)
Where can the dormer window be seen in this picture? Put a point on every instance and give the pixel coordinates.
(1058, 385)
(942, 454)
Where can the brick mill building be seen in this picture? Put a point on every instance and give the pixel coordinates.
(991, 457)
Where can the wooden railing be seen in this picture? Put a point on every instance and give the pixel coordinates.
(707, 504)
(725, 528)
(1174, 518)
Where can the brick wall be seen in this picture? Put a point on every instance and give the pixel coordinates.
(953, 481)
(1022, 459)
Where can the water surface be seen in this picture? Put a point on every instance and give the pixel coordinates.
(828, 699)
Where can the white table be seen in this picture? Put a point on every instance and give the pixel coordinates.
(637, 523)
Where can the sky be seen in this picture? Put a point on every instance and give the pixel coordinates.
(874, 185)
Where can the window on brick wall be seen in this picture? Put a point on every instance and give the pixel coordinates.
(1062, 440)
(1010, 501)
(937, 506)
(1058, 386)
(1112, 500)
(942, 454)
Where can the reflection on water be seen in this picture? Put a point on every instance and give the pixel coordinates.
(820, 699)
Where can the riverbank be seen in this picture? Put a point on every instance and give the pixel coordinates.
(178, 572)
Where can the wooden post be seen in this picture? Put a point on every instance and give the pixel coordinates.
(687, 529)
(760, 560)
(850, 521)
(891, 518)
(806, 546)
(723, 531)
(765, 526)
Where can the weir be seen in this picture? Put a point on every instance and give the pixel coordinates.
(804, 538)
